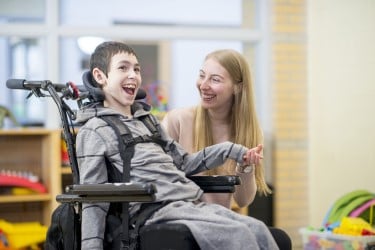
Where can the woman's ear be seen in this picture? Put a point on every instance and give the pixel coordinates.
(237, 88)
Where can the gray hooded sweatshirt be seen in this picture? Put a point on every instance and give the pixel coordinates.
(213, 226)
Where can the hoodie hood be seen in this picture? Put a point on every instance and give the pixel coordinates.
(97, 109)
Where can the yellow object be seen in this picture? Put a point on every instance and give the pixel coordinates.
(22, 191)
(22, 235)
(353, 226)
(372, 215)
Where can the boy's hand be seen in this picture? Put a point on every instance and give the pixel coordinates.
(254, 155)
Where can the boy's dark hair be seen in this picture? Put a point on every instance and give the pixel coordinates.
(101, 57)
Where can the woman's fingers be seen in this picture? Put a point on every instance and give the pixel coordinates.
(254, 155)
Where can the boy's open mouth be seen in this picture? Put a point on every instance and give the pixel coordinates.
(129, 89)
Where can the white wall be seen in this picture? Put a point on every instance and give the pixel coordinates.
(341, 72)
(187, 59)
(208, 12)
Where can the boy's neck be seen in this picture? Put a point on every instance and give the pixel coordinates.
(124, 110)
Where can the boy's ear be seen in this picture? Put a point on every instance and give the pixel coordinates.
(98, 76)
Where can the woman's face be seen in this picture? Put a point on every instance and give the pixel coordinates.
(215, 86)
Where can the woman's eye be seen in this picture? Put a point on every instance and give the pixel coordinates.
(123, 67)
(137, 69)
(215, 80)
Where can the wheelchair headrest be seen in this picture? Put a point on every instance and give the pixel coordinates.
(97, 94)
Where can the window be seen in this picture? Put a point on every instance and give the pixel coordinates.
(39, 41)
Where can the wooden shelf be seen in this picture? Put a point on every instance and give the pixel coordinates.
(26, 131)
(38, 151)
(25, 198)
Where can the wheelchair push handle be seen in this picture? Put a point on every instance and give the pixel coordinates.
(59, 93)
(29, 85)
(68, 90)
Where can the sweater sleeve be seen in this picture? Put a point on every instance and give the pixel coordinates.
(207, 158)
(92, 167)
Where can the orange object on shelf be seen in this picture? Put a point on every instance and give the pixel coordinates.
(64, 153)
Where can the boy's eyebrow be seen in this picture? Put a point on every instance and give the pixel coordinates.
(128, 62)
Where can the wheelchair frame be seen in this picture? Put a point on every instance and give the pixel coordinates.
(119, 192)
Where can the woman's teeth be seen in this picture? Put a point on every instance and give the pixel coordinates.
(208, 97)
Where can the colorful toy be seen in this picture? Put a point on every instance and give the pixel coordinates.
(348, 203)
(348, 224)
(31, 182)
(365, 211)
(354, 226)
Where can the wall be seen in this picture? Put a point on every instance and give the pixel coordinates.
(289, 116)
(323, 98)
(341, 100)
(192, 53)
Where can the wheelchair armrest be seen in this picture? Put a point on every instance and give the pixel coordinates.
(108, 192)
(217, 183)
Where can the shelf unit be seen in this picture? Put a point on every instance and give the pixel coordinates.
(66, 170)
(36, 150)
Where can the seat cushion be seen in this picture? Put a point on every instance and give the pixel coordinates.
(167, 236)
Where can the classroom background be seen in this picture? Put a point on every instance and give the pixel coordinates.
(312, 61)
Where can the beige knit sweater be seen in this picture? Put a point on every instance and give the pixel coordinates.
(179, 124)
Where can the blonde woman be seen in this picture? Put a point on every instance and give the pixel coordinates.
(226, 112)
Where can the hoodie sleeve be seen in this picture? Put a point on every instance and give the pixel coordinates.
(208, 158)
(212, 156)
(91, 150)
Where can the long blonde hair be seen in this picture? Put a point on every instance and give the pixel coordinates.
(244, 125)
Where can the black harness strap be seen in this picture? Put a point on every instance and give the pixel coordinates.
(156, 137)
(149, 124)
(126, 145)
(126, 148)
(129, 239)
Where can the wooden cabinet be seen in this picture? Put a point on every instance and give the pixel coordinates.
(37, 151)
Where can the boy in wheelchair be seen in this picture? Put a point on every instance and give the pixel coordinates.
(117, 74)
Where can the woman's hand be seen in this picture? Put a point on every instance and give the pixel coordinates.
(253, 156)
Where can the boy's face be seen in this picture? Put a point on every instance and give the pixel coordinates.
(123, 81)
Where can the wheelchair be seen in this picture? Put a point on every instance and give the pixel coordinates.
(150, 237)
(177, 236)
